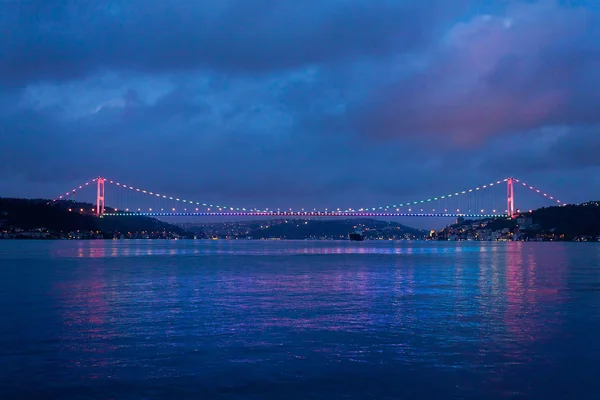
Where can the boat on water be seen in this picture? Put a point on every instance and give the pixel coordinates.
(357, 236)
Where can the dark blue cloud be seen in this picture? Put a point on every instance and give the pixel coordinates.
(497, 75)
(60, 40)
(315, 103)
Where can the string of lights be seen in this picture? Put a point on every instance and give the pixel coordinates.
(298, 214)
(190, 202)
(539, 192)
(73, 191)
(386, 210)
(432, 199)
(349, 210)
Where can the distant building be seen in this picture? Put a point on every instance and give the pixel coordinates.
(524, 222)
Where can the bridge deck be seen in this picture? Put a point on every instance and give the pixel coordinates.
(299, 214)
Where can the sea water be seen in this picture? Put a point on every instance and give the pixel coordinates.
(299, 320)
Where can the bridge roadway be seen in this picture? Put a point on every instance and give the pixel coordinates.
(300, 214)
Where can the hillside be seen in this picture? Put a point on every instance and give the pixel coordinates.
(571, 220)
(580, 222)
(299, 229)
(335, 229)
(36, 214)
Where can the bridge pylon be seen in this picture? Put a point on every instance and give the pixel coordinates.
(510, 198)
(100, 196)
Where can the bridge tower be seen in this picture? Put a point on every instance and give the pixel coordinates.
(100, 197)
(510, 198)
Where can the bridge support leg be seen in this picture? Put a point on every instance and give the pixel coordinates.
(510, 198)
(100, 197)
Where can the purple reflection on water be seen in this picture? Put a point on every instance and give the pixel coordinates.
(138, 248)
(436, 319)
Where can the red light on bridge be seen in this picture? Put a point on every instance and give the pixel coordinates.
(382, 211)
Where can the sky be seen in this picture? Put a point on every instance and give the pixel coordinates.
(313, 103)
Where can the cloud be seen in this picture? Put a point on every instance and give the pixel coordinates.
(61, 40)
(280, 103)
(496, 75)
(562, 148)
(232, 143)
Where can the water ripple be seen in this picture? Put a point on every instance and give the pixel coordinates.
(298, 320)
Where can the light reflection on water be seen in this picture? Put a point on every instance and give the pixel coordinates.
(158, 319)
(136, 248)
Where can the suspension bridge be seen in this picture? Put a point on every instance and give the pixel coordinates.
(493, 200)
